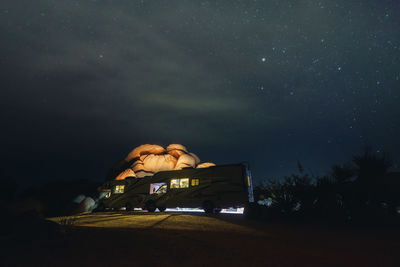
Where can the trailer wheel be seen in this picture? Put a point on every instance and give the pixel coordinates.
(208, 206)
(162, 209)
(101, 207)
(251, 211)
(128, 206)
(150, 206)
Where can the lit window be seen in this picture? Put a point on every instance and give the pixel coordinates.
(119, 189)
(195, 182)
(248, 181)
(184, 183)
(162, 189)
(179, 183)
(158, 188)
(106, 193)
(174, 183)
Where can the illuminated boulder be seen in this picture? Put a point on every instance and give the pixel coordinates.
(146, 160)
(185, 161)
(176, 150)
(196, 158)
(127, 173)
(156, 163)
(137, 166)
(145, 150)
(205, 165)
(143, 173)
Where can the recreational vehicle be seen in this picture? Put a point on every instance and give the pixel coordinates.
(212, 189)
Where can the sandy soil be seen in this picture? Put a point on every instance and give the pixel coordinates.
(168, 239)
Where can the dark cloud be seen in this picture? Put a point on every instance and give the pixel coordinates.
(272, 83)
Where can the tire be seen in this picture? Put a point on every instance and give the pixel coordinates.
(162, 209)
(208, 206)
(151, 206)
(251, 211)
(128, 206)
(100, 208)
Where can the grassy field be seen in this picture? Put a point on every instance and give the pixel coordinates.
(168, 239)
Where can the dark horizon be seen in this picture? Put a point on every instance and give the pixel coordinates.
(269, 83)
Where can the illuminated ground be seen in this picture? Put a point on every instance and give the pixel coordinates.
(162, 239)
(166, 221)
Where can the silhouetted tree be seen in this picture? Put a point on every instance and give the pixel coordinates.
(369, 188)
(295, 194)
(371, 167)
(343, 173)
(359, 190)
(332, 197)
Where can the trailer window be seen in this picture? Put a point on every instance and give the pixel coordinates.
(119, 189)
(195, 182)
(174, 183)
(162, 189)
(106, 193)
(184, 182)
(158, 188)
(179, 183)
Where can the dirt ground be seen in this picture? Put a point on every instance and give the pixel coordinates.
(170, 239)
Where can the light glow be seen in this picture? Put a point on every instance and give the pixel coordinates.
(195, 182)
(179, 183)
(228, 211)
(119, 189)
(197, 210)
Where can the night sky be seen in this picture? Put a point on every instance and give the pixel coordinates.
(269, 82)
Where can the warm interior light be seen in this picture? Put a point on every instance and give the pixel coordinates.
(184, 182)
(174, 183)
(119, 189)
(158, 188)
(195, 182)
(179, 183)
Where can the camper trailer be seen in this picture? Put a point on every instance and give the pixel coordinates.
(212, 189)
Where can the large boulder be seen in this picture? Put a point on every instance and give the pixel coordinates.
(176, 150)
(126, 173)
(185, 161)
(144, 150)
(146, 160)
(156, 163)
(87, 204)
(205, 165)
